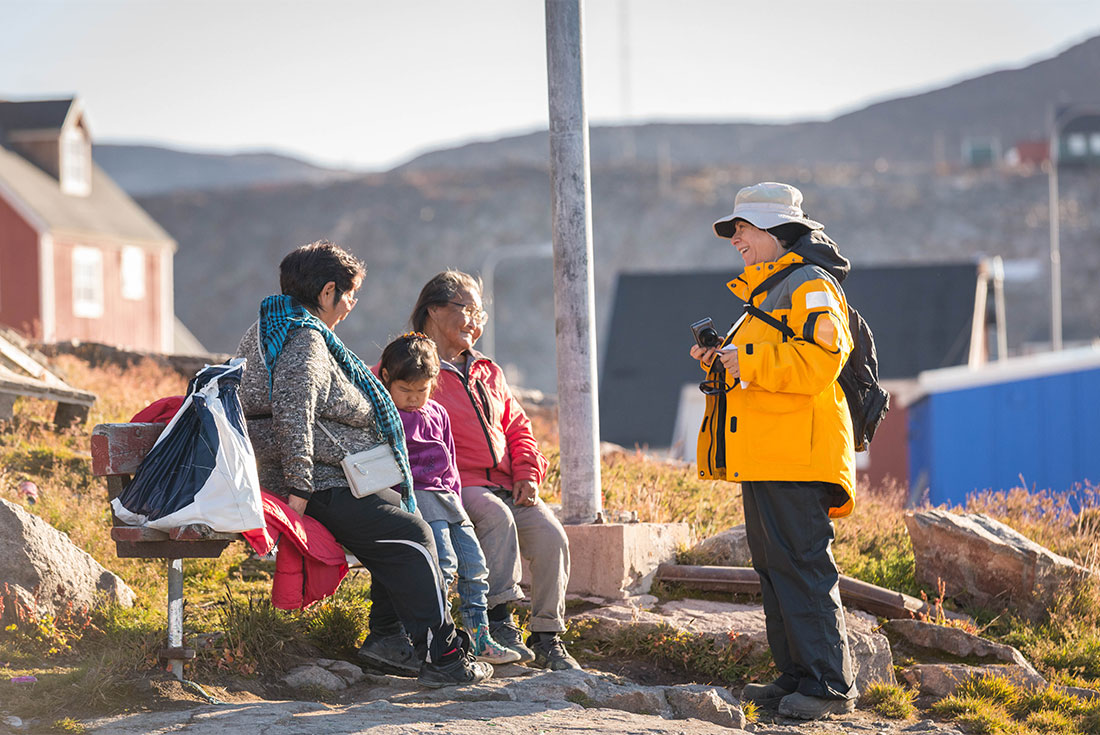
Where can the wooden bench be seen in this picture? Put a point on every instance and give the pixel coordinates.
(117, 450)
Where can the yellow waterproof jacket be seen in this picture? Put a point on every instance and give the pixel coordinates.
(787, 418)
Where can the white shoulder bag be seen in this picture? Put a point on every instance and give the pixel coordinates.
(369, 471)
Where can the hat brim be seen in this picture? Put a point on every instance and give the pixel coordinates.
(724, 227)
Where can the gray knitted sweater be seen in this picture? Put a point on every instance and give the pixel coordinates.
(308, 384)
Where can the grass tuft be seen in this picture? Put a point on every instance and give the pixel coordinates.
(258, 636)
(338, 625)
(890, 700)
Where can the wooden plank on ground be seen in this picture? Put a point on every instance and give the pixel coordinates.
(853, 592)
(11, 382)
(14, 354)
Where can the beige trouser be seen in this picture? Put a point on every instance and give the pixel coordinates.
(507, 531)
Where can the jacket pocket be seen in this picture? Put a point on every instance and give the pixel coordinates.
(777, 427)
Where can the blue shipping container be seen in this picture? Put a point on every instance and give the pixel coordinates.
(1029, 422)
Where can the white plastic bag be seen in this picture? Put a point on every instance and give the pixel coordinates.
(202, 468)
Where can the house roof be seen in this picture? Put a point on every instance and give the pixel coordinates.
(920, 315)
(34, 115)
(106, 212)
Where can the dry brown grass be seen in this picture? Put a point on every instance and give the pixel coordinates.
(872, 544)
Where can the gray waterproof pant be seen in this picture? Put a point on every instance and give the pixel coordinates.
(790, 537)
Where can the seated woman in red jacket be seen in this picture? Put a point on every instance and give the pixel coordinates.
(500, 467)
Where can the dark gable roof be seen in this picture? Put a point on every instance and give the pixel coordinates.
(107, 210)
(36, 115)
(920, 316)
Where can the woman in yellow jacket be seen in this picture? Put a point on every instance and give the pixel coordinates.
(777, 423)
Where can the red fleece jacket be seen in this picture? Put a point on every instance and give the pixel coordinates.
(493, 439)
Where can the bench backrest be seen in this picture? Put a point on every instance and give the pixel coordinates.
(117, 449)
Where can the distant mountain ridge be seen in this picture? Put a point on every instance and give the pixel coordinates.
(458, 207)
(922, 129)
(147, 169)
(1011, 104)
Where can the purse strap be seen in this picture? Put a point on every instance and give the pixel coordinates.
(334, 439)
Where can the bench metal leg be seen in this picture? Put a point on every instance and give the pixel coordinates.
(175, 614)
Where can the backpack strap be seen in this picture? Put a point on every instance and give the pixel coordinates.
(769, 319)
(767, 285)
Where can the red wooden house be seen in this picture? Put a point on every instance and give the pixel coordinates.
(79, 259)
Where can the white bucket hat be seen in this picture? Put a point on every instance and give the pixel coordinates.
(766, 205)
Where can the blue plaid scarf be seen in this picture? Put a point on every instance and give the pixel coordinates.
(281, 315)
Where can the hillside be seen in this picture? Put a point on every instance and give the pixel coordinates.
(145, 169)
(919, 129)
(452, 208)
(409, 226)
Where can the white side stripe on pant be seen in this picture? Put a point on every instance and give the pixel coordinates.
(435, 575)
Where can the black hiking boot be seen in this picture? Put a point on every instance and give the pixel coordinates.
(462, 669)
(550, 652)
(813, 708)
(506, 633)
(390, 654)
(766, 696)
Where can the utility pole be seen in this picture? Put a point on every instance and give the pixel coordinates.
(574, 291)
(1055, 239)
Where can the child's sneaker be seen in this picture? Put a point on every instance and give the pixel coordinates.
(484, 648)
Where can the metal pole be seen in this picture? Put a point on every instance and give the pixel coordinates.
(978, 349)
(999, 305)
(1055, 244)
(574, 294)
(175, 614)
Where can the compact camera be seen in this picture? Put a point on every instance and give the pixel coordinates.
(706, 336)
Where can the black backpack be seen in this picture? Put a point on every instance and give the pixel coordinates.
(868, 402)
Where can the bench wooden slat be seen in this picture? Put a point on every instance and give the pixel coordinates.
(203, 549)
(117, 449)
(137, 534)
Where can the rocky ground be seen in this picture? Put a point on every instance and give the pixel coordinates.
(518, 701)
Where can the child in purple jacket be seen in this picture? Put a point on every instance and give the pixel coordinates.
(409, 369)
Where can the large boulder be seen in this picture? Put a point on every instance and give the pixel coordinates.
(984, 562)
(942, 679)
(742, 625)
(730, 548)
(980, 657)
(41, 568)
(955, 642)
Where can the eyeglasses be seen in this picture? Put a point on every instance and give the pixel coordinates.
(474, 313)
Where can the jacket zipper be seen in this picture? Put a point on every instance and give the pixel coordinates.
(480, 414)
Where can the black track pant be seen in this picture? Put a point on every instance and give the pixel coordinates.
(790, 537)
(398, 550)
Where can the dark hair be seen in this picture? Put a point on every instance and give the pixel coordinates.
(411, 357)
(442, 287)
(306, 270)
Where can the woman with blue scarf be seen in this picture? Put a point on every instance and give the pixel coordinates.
(299, 376)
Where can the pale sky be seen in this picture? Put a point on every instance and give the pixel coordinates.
(370, 83)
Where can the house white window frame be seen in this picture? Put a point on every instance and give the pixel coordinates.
(87, 276)
(132, 273)
(76, 163)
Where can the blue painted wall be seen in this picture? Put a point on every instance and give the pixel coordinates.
(1040, 433)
